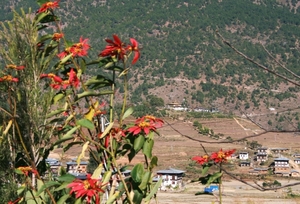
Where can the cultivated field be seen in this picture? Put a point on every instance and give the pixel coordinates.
(179, 141)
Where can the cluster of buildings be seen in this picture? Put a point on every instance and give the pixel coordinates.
(171, 178)
(279, 165)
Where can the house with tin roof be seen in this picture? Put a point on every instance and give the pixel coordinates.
(170, 177)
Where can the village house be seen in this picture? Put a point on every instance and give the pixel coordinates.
(282, 166)
(72, 167)
(170, 178)
(280, 150)
(261, 157)
(176, 106)
(262, 150)
(295, 173)
(297, 161)
(245, 164)
(54, 165)
(243, 155)
(259, 171)
(296, 155)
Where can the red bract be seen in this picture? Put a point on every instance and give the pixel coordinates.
(219, 157)
(60, 83)
(73, 79)
(57, 36)
(135, 48)
(88, 189)
(27, 169)
(79, 49)
(15, 201)
(201, 159)
(115, 48)
(116, 133)
(145, 124)
(8, 78)
(48, 5)
(13, 66)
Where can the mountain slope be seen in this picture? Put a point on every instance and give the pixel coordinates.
(182, 58)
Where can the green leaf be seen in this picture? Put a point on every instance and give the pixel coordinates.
(137, 173)
(153, 162)
(82, 66)
(153, 191)
(107, 129)
(138, 196)
(65, 59)
(115, 68)
(21, 190)
(58, 97)
(18, 171)
(45, 37)
(147, 148)
(71, 144)
(62, 186)
(85, 123)
(127, 113)
(67, 136)
(98, 81)
(97, 172)
(145, 180)
(205, 168)
(92, 93)
(47, 185)
(66, 178)
(214, 177)
(78, 201)
(84, 148)
(63, 199)
(53, 113)
(138, 143)
(112, 198)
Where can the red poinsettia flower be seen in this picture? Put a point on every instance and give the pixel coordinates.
(142, 125)
(157, 121)
(73, 79)
(79, 49)
(48, 5)
(89, 189)
(201, 159)
(115, 48)
(8, 78)
(135, 48)
(13, 66)
(27, 169)
(57, 36)
(221, 156)
(117, 133)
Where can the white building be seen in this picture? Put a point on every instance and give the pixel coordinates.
(171, 177)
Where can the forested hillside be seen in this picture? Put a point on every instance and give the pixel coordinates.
(184, 61)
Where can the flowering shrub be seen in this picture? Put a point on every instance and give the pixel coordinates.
(72, 115)
(214, 159)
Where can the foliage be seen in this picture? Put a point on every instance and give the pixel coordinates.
(52, 102)
(199, 53)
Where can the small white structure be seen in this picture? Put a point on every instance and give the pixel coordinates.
(243, 155)
(171, 177)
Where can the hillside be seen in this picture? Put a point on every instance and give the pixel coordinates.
(183, 60)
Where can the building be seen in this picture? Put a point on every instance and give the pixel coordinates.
(282, 166)
(259, 171)
(170, 177)
(245, 164)
(54, 165)
(73, 167)
(243, 155)
(261, 157)
(280, 150)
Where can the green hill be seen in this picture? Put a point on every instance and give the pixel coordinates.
(184, 61)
